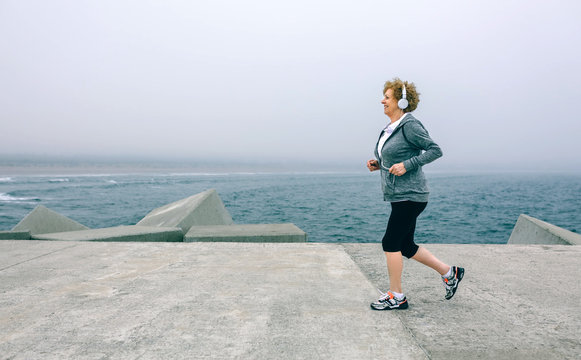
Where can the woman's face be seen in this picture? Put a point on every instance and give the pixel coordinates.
(389, 103)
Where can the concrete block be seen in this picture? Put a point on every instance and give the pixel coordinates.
(246, 233)
(529, 230)
(119, 233)
(42, 220)
(15, 235)
(205, 208)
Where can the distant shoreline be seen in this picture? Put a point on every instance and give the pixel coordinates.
(83, 170)
(131, 169)
(11, 171)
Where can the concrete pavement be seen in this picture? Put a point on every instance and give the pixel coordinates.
(189, 301)
(292, 301)
(515, 301)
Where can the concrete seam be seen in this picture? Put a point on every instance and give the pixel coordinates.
(398, 316)
(413, 337)
(36, 257)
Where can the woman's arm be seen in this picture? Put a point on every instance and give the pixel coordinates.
(418, 136)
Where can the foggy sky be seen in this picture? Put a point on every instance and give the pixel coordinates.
(295, 80)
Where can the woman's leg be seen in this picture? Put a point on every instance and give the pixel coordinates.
(394, 268)
(401, 223)
(425, 257)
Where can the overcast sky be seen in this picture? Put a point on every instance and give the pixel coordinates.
(290, 80)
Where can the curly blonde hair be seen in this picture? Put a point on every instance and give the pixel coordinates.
(412, 95)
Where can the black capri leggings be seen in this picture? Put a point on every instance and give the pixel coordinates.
(401, 226)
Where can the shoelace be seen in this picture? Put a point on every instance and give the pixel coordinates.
(385, 296)
(388, 296)
(448, 282)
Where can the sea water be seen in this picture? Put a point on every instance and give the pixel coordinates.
(330, 207)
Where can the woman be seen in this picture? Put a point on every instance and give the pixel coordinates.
(404, 146)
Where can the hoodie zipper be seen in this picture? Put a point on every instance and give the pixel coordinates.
(377, 151)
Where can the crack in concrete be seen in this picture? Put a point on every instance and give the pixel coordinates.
(37, 257)
(426, 352)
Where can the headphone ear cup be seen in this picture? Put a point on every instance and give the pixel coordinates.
(402, 104)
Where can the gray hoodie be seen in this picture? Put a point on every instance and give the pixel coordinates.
(405, 144)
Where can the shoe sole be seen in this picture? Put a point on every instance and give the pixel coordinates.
(460, 276)
(400, 307)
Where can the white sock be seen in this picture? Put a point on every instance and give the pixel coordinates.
(397, 295)
(448, 274)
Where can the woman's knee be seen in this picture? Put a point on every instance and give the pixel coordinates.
(390, 246)
(409, 250)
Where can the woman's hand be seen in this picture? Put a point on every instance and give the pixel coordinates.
(398, 169)
(372, 165)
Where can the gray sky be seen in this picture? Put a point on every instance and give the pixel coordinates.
(293, 80)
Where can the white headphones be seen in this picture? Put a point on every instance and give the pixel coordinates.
(403, 102)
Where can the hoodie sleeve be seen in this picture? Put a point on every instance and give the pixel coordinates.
(419, 137)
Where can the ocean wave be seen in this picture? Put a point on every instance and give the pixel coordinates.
(206, 174)
(58, 180)
(6, 179)
(5, 197)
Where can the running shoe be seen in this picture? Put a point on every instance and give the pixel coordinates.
(451, 283)
(389, 302)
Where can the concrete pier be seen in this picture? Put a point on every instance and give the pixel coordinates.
(43, 220)
(118, 233)
(200, 217)
(247, 233)
(529, 230)
(102, 300)
(205, 208)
